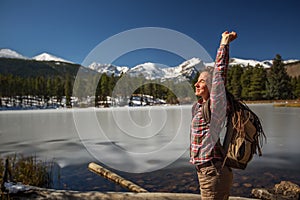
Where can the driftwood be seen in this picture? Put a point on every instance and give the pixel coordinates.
(115, 178)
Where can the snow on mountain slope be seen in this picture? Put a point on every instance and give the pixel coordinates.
(151, 71)
(245, 62)
(49, 57)
(148, 70)
(186, 70)
(8, 53)
(109, 69)
(290, 61)
(265, 63)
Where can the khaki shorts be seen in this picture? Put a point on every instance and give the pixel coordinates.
(215, 182)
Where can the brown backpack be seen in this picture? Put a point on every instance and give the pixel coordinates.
(244, 133)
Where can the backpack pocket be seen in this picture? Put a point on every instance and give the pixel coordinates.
(240, 151)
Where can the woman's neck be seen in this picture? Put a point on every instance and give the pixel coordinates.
(205, 98)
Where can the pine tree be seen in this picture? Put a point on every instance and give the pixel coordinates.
(246, 81)
(278, 86)
(296, 86)
(258, 83)
(171, 98)
(68, 90)
(49, 90)
(98, 94)
(234, 80)
(58, 88)
(104, 88)
(112, 83)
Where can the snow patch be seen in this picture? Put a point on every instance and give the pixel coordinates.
(49, 57)
(8, 53)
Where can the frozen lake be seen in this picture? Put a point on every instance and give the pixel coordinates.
(135, 139)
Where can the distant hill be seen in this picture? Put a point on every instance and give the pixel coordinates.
(9, 53)
(34, 68)
(293, 69)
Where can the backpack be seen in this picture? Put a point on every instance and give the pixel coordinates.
(244, 133)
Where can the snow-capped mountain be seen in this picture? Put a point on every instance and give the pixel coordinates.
(8, 53)
(265, 63)
(245, 62)
(151, 71)
(49, 57)
(109, 69)
(186, 70)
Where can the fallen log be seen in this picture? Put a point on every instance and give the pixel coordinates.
(115, 178)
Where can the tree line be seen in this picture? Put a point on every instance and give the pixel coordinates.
(247, 83)
(258, 83)
(17, 90)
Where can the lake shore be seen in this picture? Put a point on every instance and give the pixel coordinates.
(284, 190)
(170, 183)
(174, 179)
(74, 195)
(276, 103)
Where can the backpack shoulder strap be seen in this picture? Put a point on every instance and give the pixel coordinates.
(206, 113)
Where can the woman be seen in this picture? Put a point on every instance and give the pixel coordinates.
(205, 151)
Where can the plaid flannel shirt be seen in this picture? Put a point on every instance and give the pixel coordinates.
(200, 153)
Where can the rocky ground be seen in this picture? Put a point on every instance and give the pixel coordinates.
(285, 190)
(73, 195)
(282, 191)
(174, 180)
(78, 182)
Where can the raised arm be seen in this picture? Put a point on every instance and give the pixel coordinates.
(222, 58)
(218, 100)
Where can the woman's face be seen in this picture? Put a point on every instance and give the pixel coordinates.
(201, 85)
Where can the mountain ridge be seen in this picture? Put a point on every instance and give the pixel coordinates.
(9, 53)
(186, 70)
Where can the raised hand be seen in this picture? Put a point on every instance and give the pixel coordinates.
(228, 37)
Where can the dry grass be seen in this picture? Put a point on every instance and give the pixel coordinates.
(27, 170)
(278, 103)
(295, 105)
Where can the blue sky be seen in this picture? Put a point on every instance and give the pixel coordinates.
(70, 29)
